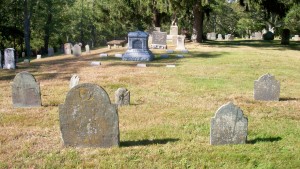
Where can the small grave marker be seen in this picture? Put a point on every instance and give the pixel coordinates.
(74, 81)
(26, 91)
(38, 56)
(170, 66)
(102, 55)
(170, 51)
(95, 63)
(122, 97)
(141, 65)
(180, 56)
(118, 55)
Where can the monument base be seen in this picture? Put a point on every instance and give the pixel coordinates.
(138, 55)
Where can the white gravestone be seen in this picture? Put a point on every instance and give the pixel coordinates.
(38, 56)
(180, 42)
(141, 65)
(213, 36)
(77, 50)
(9, 59)
(228, 126)
(87, 49)
(67, 48)
(103, 55)
(174, 30)
(95, 63)
(74, 81)
(220, 37)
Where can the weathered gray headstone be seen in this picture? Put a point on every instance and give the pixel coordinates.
(74, 81)
(159, 40)
(26, 91)
(9, 59)
(87, 49)
(88, 119)
(180, 42)
(228, 126)
(77, 50)
(266, 88)
(122, 97)
(50, 51)
(67, 48)
(138, 49)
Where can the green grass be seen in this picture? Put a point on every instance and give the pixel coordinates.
(168, 122)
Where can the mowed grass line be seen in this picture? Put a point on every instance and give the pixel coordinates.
(168, 123)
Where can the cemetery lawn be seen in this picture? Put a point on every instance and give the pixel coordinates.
(168, 122)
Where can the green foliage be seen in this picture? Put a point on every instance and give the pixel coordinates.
(292, 20)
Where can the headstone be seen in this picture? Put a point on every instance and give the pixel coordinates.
(141, 65)
(180, 42)
(67, 48)
(170, 66)
(164, 56)
(296, 38)
(266, 88)
(174, 39)
(38, 56)
(257, 35)
(208, 36)
(122, 97)
(74, 81)
(88, 119)
(174, 30)
(228, 126)
(50, 51)
(103, 55)
(170, 51)
(9, 59)
(23, 54)
(268, 36)
(220, 37)
(138, 49)
(118, 55)
(95, 63)
(159, 40)
(194, 37)
(26, 61)
(285, 37)
(180, 56)
(26, 91)
(213, 36)
(76, 50)
(87, 49)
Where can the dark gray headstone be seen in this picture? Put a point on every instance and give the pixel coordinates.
(26, 91)
(88, 119)
(74, 81)
(9, 59)
(266, 88)
(122, 97)
(159, 40)
(229, 126)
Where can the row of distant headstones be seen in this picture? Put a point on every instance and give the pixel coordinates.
(88, 119)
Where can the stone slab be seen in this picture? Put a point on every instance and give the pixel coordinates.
(267, 88)
(122, 97)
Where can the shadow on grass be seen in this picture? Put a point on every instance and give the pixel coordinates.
(288, 99)
(147, 142)
(268, 139)
(294, 45)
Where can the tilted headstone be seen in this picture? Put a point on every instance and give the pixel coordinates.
(77, 50)
(180, 42)
(26, 91)
(74, 81)
(9, 59)
(228, 126)
(138, 49)
(88, 119)
(159, 40)
(122, 97)
(267, 88)
(67, 48)
(87, 49)
(50, 51)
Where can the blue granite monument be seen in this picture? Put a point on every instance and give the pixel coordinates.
(138, 49)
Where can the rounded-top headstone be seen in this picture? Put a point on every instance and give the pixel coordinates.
(88, 119)
(25, 91)
(228, 126)
(266, 88)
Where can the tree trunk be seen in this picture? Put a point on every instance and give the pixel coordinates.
(285, 37)
(156, 18)
(27, 28)
(198, 21)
